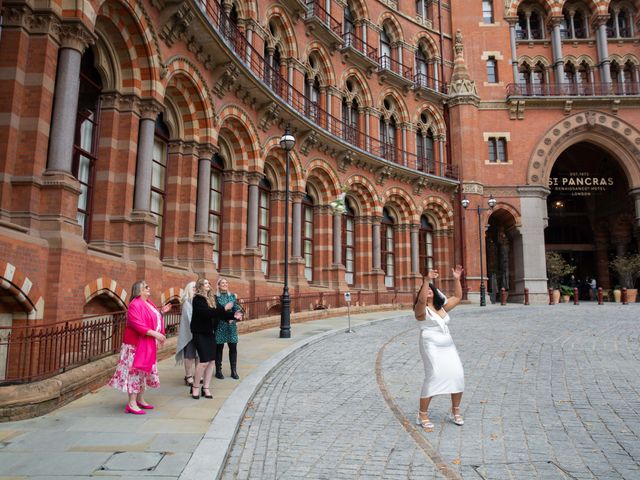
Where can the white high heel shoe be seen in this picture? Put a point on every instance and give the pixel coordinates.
(424, 423)
(455, 416)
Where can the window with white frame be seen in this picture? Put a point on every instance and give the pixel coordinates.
(497, 150)
(307, 237)
(215, 206)
(388, 249)
(264, 221)
(487, 11)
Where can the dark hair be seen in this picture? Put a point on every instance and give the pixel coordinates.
(438, 298)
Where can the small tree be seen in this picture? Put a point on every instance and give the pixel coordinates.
(557, 268)
(627, 267)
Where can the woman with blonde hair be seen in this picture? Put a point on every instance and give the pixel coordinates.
(144, 330)
(203, 320)
(185, 349)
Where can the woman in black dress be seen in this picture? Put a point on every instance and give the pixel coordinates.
(203, 320)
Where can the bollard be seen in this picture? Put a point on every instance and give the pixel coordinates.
(576, 296)
(503, 296)
(600, 296)
(526, 296)
(624, 296)
(551, 296)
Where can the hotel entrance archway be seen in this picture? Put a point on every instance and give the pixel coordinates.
(590, 214)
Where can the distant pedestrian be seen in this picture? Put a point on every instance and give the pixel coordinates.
(137, 369)
(204, 318)
(443, 372)
(185, 349)
(227, 330)
(594, 288)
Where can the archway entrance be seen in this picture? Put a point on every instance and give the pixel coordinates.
(500, 253)
(591, 214)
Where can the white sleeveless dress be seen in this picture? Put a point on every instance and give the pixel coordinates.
(443, 371)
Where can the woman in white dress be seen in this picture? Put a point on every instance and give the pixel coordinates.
(443, 371)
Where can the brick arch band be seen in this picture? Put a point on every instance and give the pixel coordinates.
(106, 286)
(616, 136)
(22, 289)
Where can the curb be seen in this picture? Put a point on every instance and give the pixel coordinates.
(209, 457)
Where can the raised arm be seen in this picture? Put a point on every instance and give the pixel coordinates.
(457, 296)
(420, 305)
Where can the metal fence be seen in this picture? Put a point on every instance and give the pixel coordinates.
(30, 352)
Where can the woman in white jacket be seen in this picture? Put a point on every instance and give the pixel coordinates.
(185, 349)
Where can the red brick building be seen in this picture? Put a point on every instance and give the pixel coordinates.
(141, 140)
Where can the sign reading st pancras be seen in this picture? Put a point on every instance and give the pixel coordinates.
(580, 184)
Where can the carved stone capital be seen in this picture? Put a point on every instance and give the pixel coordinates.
(268, 115)
(254, 178)
(149, 109)
(74, 35)
(382, 174)
(309, 140)
(228, 77)
(207, 150)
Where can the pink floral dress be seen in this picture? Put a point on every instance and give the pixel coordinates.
(131, 380)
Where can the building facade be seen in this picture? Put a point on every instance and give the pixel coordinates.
(140, 139)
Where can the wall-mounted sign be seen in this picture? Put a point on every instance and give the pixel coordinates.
(580, 184)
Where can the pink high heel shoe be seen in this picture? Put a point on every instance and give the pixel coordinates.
(128, 409)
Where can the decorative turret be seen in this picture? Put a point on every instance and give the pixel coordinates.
(461, 83)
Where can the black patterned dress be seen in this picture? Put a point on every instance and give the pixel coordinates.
(227, 330)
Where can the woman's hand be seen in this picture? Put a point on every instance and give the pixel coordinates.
(158, 336)
(228, 306)
(457, 272)
(165, 308)
(238, 316)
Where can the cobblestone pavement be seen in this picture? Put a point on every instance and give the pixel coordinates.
(551, 393)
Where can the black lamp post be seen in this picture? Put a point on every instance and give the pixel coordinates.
(492, 203)
(287, 142)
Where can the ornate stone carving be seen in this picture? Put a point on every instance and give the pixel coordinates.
(516, 109)
(74, 35)
(420, 184)
(461, 83)
(149, 109)
(309, 140)
(268, 114)
(177, 25)
(226, 80)
(345, 161)
(382, 174)
(473, 188)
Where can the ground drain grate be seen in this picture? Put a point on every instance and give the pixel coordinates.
(133, 461)
(500, 471)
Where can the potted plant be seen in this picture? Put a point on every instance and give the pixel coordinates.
(628, 269)
(566, 292)
(557, 268)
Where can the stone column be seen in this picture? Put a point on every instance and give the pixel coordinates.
(600, 24)
(149, 110)
(74, 40)
(337, 239)
(529, 248)
(556, 45)
(415, 249)
(635, 194)
(296, 240)
(252, 213)
(204, 191)
(404, 144)
(375, 240)
(512, 43)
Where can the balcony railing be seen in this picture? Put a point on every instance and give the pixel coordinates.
(388, 63)
(278, 84)
(34, 352)
(351, 40)
(536, 34)
(422, 80)
(316, 9)
(580, 33)
(572, 89)
(624, 32)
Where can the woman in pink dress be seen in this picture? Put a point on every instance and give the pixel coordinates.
(137, 368)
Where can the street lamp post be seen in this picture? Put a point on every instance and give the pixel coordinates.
(492, 203)
(287, 142)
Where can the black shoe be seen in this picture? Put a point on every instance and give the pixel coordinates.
(188, 380)
(219, 375)
(234, 375)
(204, 394)
(196, 397)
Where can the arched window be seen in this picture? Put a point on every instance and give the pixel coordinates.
(530, 25)
(264, 222)
(85, 145)
(425, 237)
(312, 97)
(215, 206)
(349, 25)
(348, 243)
(387, 251)
(422, 9)
(619, 24)
(424, 142)
(350, 120)
(307, 236)
(615, 70)
(584, 79)
(389, 133)
(159, 177)
(570, 77)
(630, 75)
(385, 49)
(422, 69)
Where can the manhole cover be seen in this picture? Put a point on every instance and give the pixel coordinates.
(133, 461)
